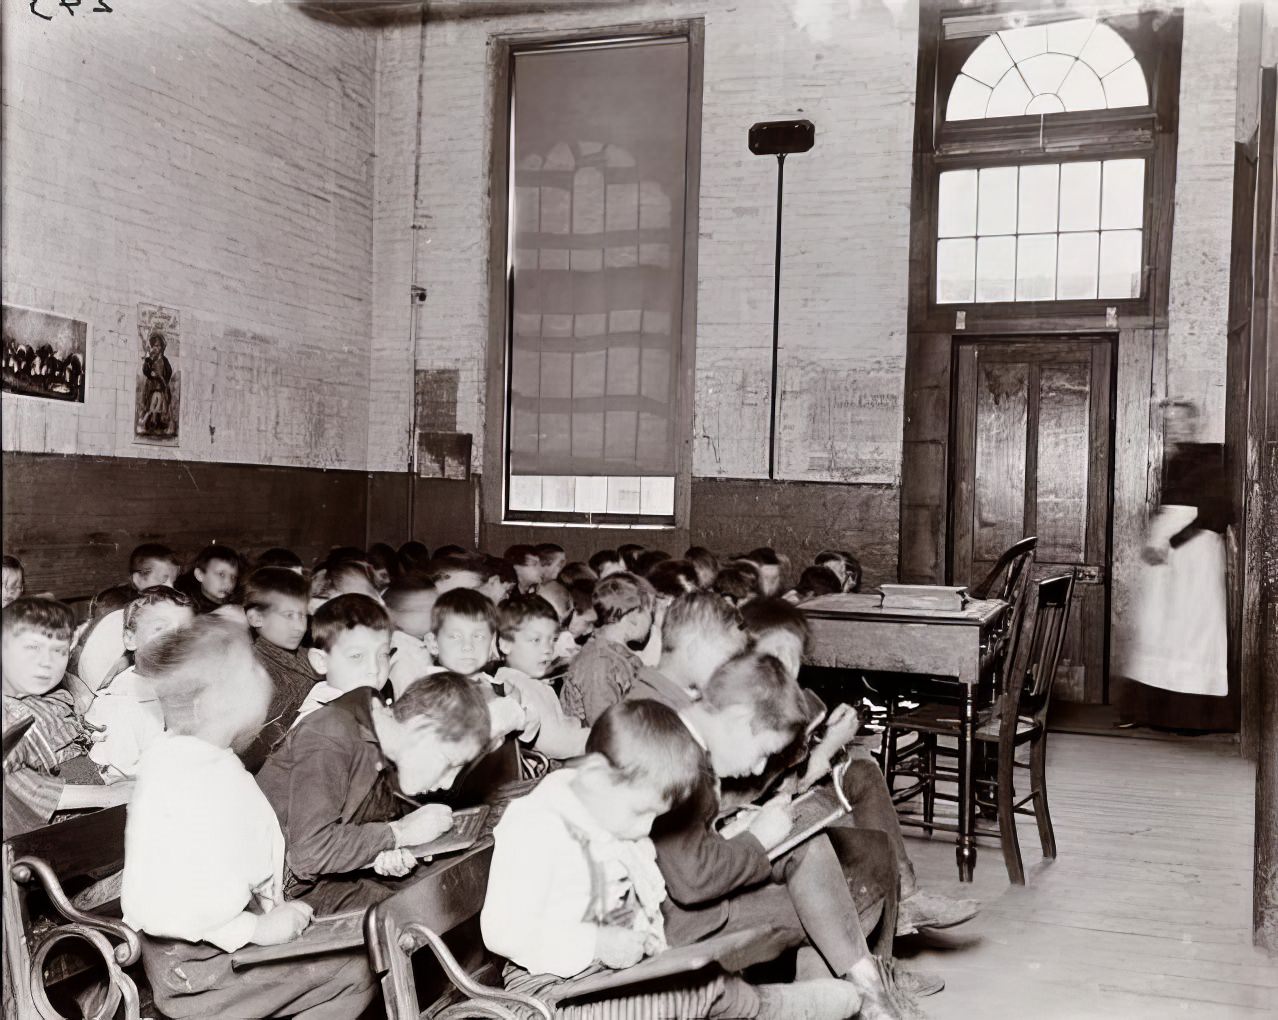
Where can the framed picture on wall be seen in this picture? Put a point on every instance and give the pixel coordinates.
(45, 355)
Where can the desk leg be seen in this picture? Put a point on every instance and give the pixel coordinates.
(966, 850)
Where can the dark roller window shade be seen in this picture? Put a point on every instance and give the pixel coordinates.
(599, 150)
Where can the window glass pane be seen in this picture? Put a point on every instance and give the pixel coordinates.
(1105, 50)
(1023, 43)
(996, 206)
(1036, 267)
(1120, 264)
(592, 494)
(623, 495)
(988, 62)
(597, 216)
(1081, 89)
(1076, 267)
(1123, 194)
(1126, 86)
(996, 269)
(956, 204)
(1045, 72)
(967, 99)
(656, 496)
(1010, 97)
(955, 271)
(1080, 196)
(1045, 103)
(1038, 199)
(1069, 36)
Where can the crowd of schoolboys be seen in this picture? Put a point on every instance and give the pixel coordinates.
(284, 737)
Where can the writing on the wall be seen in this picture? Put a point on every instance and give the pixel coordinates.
(100, 7)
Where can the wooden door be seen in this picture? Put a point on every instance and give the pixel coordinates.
(1032, 445)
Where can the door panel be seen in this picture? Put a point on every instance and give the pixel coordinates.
(1032, 457)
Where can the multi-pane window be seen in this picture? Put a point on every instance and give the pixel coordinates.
(1069, 65)
(1042, 158)
(1041, 232)
(596, 233)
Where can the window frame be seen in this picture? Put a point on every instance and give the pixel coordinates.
(496, 498)
(1078, 136)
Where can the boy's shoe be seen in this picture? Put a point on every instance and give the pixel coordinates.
(926, 909)
(906, 1005)
(824, 999)
(916, 983)
(881, 999)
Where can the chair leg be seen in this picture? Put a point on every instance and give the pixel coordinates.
(888, 757)
(929, 788)
(1007, 818)
(1038, 781)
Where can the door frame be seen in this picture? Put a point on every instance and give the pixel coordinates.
(1030, 339)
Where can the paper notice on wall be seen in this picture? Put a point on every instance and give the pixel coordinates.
(157, 405)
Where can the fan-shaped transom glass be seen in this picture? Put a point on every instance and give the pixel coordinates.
(1068, 66)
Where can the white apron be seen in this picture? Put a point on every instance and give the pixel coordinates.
(1180, 643)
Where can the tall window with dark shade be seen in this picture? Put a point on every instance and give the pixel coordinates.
(598, 155)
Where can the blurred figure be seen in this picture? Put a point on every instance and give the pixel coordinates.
(1177, 652)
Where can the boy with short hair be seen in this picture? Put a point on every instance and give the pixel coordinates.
(126, 706)
(213, 577)
(846, 567)
(552, 557)
(527, 630)
(605, 669)
(350, 648)
(14, 579)
(35, 641)
(456, 572)
(275, 603)
(749, 711)
(769, 566)
(343, 812)
(499, 579)
(410, 600)
(463, 632)
(699, 634)
(605, 562)
(527, 566)
(150, 564)
(278, 557)
(629, 553)
(737, 583)
(573, 885)
(779, 629)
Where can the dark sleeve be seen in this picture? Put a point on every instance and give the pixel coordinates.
(697, 863)
(316, 841)
(1195, 476)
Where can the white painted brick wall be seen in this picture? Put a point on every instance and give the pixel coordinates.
(213, 157)
(845, 260)
(1199, 289)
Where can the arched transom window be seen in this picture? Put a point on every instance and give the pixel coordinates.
(1064, 67)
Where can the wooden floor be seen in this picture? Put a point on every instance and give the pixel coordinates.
(1146, 912)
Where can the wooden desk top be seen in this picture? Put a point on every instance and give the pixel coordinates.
(976, 613)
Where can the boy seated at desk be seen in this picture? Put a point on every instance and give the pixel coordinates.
(350, 648)
(49, 771)
(574, 886)
(604, 670)
(343, 781)
(779, 629)
(203, 852)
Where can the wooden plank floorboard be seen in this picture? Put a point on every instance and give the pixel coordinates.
(1145, 913)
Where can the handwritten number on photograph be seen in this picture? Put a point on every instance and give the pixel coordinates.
(46, 17)
(102, 8)
(70, 5)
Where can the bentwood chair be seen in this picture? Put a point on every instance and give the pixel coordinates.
(1018, 716)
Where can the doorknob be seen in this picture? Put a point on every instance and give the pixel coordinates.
(1089, 574)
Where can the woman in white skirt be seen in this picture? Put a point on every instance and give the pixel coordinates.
(1178, 653)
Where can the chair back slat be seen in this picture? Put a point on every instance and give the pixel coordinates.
(1030, 689)
(1001, 580)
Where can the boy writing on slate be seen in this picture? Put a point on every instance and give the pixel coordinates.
(341, 785)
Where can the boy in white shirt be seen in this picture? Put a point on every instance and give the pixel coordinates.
(574, 885)
(126, 706)
(203, 852)
(527, 626)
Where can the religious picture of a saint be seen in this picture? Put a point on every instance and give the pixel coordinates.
(158, 380)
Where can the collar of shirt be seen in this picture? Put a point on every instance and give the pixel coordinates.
(683, 718)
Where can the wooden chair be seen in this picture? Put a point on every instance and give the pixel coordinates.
(1001, 581)
(1019, 716)
(61, 915)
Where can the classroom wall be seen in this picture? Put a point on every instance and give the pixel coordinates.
(848, 68)
(216, 159)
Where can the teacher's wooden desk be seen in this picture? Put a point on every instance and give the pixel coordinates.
(851, 632)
